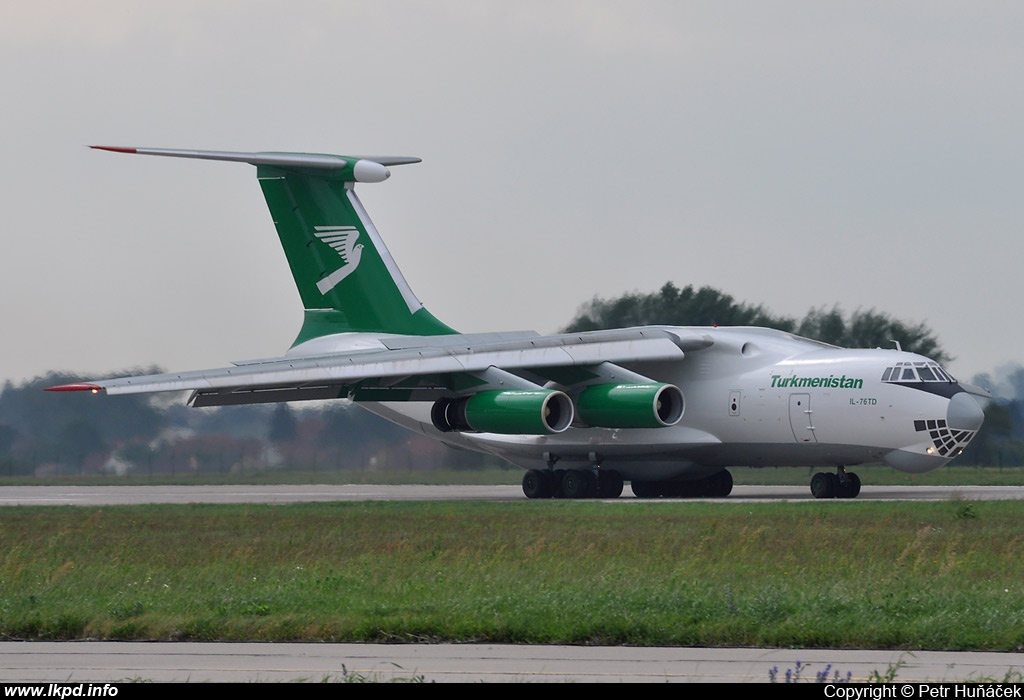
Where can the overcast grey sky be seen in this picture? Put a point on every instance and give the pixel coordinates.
(793, 154)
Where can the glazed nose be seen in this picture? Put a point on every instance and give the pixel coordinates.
(964, 412)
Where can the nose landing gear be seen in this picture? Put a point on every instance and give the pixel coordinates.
(842, 484)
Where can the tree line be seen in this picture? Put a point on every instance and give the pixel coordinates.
(706, 306)
(43, 434)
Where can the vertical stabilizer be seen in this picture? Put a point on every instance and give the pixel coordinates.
(345, 275)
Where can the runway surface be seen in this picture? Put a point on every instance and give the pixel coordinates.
(462, 663)
(197, 662)
(136, 495)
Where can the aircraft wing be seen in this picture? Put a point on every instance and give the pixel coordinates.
(421, 368)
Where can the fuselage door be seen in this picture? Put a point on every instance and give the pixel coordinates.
(801, 419)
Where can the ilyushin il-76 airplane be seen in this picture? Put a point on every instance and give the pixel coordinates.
(665, 408)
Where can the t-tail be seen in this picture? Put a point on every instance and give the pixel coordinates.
(346, 277)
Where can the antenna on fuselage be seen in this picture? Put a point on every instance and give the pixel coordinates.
(898, 346)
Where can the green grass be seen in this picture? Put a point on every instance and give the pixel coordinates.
(817, 574)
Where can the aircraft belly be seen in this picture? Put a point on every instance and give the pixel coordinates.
(576, 444)
(659, 453)
(790, 455)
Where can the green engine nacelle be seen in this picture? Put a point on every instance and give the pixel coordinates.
(651, 405)
(512, 412)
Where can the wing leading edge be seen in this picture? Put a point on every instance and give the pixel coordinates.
(424, 368)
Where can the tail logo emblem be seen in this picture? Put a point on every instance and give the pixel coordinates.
(343, 240)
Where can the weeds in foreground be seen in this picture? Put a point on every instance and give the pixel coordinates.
(353, 677)
(889, 676)
(830, 675)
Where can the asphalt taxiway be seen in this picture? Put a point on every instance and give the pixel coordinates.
(138, 495)
(100, 662)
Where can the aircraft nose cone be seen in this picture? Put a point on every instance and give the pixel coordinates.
(964, 412)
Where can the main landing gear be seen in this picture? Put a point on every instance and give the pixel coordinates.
(718, 485)
(842, 484)
(607, 483)
(572, 483)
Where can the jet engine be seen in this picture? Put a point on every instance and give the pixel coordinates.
(652, 405)
(509, 412)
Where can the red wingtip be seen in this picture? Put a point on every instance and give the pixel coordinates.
(81, 386)
(115, 149)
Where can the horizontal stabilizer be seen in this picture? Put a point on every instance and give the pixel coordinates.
(364, 168)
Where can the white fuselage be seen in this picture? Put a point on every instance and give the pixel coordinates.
(759, 397)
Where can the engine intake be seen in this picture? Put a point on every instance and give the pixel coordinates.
(652, 405)
(512, 412)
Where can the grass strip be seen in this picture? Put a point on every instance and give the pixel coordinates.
(816, 574)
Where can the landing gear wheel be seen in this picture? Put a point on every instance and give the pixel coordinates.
(609, 484)
(538, 484)
(850, 489)
(578, 483)
(557, 476)
(823, 485)
(680, 489)
(645, 489)
(718, 485)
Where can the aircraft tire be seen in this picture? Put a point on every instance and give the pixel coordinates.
(557, 476)
(679, 489)
(823, 485)
(851, 489)
(609, 484)
(578, 483)
(538, 484)
(855, 481)
(719, 485)
(645, 489)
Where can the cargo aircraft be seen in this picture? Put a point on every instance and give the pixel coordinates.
(665, 408)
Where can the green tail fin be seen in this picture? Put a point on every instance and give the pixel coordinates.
(346, 277)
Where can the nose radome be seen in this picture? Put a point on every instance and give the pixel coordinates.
(964, 412)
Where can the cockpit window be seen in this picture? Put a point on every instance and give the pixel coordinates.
(916, 372)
